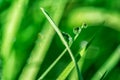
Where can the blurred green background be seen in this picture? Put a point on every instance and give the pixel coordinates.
(27, 38)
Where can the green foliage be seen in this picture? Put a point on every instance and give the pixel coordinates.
(79, 38)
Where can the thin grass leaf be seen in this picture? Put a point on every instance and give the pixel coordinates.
(82, 53)
(59, 57)
(66, 71)
(11, 26)
(63, 41)
(52, 65)
(38, 54)
(84, 48)
(10, 29)
(70, 66)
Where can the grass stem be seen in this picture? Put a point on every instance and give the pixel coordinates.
(63, 41)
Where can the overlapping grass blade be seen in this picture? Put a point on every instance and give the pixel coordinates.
(63, 41)
(39, 52)
(59, 57)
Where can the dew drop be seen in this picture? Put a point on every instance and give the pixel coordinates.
(76, 30)
(84, 25)
(67, 37)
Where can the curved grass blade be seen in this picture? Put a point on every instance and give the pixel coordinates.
(70, 66)
(60, 56)
(39, 52)
(63, 41)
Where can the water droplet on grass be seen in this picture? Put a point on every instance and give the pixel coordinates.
(84, 25)
(67, 37)
(77, 30)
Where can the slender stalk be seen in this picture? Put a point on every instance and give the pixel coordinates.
(63, 41)
(58, 58)
(66, 71)
(38, 54)
(52, 65)
(71, 66)
(59, 33)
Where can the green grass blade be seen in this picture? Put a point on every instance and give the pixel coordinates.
(59, 57)
(63, 41)
(70, 66)
(38, 54)
(82, 52)
(66, 71)
(11, 26)
(108, 65)
(52, 65)
(10, 29)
